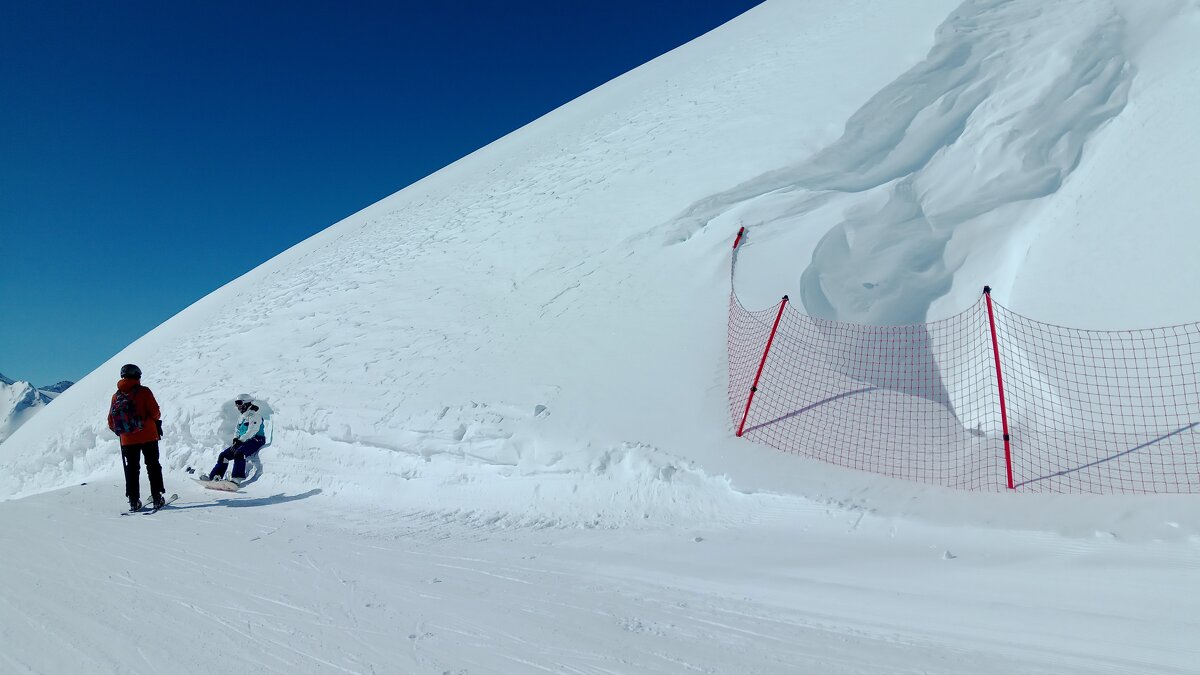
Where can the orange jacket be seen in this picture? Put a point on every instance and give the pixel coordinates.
(146, 408)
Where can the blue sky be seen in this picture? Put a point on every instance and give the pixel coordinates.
(150, 152)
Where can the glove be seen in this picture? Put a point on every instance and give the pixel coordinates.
(236, 443)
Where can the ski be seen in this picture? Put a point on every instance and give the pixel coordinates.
(165, 503)
(148, 510)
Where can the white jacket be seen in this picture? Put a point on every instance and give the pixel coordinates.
(250, 425)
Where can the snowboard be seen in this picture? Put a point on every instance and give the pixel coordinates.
(221, 485)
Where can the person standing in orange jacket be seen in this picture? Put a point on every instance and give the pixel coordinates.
(135, 417)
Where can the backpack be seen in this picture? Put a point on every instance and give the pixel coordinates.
(122, 416)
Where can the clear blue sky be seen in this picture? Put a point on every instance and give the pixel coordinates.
(152, 151)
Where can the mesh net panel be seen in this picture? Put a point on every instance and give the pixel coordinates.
(1088, 411)
(1101, 411)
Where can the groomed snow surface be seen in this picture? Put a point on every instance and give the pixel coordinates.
(289, 580)
(500, 439)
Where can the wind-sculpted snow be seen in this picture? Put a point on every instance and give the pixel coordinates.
(941, 160)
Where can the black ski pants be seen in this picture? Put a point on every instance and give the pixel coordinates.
(130, 455)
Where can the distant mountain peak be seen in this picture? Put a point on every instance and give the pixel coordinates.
(20, 400)
(58, 387)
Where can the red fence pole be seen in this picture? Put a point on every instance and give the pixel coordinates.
(987, 293)
(737, 240)
(761, 364)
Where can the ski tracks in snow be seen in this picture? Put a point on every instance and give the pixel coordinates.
(340, 589)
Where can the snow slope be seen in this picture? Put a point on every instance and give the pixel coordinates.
(522, 356)
(427, 329)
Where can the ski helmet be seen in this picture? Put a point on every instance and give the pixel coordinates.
(131, 371)
(243, 401)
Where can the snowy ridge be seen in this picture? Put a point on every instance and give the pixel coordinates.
(56, 388)
(20, 401)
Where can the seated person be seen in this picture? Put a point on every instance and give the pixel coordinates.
(251, 436)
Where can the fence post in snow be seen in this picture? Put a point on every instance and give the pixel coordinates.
(987, 294)
(754, 387)
(738, 239)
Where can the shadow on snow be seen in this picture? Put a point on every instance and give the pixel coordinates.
(244, 503)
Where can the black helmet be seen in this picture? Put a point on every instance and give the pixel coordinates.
(131, 371)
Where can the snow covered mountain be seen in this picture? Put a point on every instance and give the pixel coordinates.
(57, 388)
(533, 338)
(20, 401)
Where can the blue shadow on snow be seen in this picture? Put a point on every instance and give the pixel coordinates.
(244, 503)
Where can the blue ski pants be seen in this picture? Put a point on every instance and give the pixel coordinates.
(238, 455)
